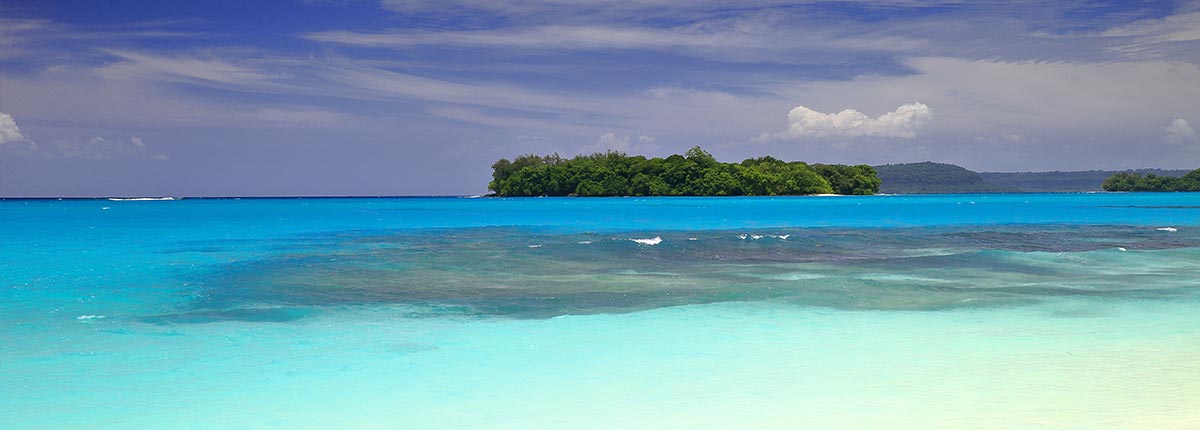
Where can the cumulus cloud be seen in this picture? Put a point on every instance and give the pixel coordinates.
(9, 132)
(806, 123)
(1179, 131)
(613, 142)
(12, 140)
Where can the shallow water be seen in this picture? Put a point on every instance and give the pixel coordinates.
(963, 311)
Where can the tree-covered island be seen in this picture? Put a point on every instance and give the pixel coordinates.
(1132, 181)
(695, 173)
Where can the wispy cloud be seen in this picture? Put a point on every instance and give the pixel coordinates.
(1168, 37)
(731, 39)
(26, 38)
(630, 9)
(1174, 28)
(100, 148)
(210, 69)
(18, 36)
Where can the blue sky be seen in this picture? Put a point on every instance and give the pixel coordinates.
(420, 97)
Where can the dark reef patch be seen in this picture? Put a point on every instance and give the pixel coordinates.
(529, 273)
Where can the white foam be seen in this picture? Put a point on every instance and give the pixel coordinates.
(142, 199)
(535, 246)
(1121, 248)
(640, 273)
(744, 236)
(584, 242)
(652, 241)
(89, 317)
(1168, 229)
(795, 276)
(692, 238)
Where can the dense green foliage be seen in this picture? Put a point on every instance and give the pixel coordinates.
(1133, 181)
(695, 173)
(1043, 182)
(930, 177)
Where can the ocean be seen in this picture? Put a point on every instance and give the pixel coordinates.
(1004, 311)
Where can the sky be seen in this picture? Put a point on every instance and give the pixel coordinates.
(415, 97)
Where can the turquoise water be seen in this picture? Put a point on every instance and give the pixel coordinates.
(961, 311)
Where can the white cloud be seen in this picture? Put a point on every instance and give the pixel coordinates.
(805, 123)
(1179, 131)
(613, 142)
(646, 139)
(9, 132)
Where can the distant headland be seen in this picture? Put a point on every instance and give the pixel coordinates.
(940, 178)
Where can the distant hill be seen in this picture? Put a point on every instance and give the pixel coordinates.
(1038, 182)
(941, 178)
(936, 178)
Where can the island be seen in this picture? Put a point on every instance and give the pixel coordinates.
(695, 173)
(1133, 181)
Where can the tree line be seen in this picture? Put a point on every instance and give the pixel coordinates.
(696, 173)
(1133, 181)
